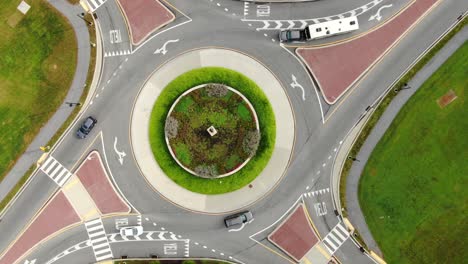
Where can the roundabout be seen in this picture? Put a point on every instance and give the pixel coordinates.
(169, 169)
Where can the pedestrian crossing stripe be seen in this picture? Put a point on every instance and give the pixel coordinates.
(94, 4)
(335, 238)
(98, 239)
(58, 173)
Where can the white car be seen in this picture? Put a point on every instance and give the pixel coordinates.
(131, 231)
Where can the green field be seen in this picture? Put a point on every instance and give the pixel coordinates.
(37, 65)
(264, 113)
(413, 188)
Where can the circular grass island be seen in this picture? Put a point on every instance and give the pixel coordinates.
(210, 123)
(212, 131)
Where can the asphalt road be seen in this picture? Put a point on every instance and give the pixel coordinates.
(310, 169)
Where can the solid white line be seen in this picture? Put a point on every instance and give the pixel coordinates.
(94, 228)
(340, 235)
(142, 44)
(52, 165)
(64, 179)
(335, 239)
(313, 85)
(342, 229)
(55, 171)
(61, 174)
(331, 244)
(279, 219)
(92, 222)
(100, 233)
(104, 257)
(47, 162)
(101, 245)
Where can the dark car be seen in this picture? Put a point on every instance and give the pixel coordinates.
(86, 127)
(292, 35)
(238, 219)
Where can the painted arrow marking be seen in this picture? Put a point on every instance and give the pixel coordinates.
(121, 154)
(163, 49)
(377, 15)
(295, 84)
(242, 227)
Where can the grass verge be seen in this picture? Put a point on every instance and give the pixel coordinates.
(38, 62)
(383, 105)
(264, 113)
(413, 189)
(65, 125)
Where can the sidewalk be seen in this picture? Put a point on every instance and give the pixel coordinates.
(354, 211)
(32, 154)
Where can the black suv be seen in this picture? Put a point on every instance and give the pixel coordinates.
(86, 127)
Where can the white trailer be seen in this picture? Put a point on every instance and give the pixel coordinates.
(332, 27)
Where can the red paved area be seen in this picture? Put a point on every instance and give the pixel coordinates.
(144, 17)
(338, 67)
(295, 235)
(94, 178)
(57, 214)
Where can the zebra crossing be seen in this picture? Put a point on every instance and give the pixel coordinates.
(99, 242)
(335, 238)
(52, 168)
(94, 4)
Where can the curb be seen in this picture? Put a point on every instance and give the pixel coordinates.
(354, 133)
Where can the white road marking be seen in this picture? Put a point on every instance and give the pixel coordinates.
(121, 154)
(163, 49)
(98, 238)
(295, 84)
(377, 15)
(320, 209)
(58, 173)
(336, 238)
(301, 23)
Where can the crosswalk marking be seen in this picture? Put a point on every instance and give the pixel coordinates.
(98, 238)
(52, 168)
(335, 238)
(95, 4)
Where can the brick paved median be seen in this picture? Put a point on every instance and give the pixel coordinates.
(144, 17)
(56, 215)
(337, 68)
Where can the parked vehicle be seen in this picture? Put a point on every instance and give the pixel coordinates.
(238, 219)
(320, 30)
(131, 231)
(86, 127)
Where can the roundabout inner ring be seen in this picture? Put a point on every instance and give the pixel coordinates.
(284, 142)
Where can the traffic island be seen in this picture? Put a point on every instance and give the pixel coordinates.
(218, 191)
(200, 135)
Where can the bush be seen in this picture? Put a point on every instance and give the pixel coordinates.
(232, 79)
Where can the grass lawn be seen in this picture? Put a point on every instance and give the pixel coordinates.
(266, 122)
(37, 66)
(413, 188)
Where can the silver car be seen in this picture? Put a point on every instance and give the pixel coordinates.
(238, 219)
